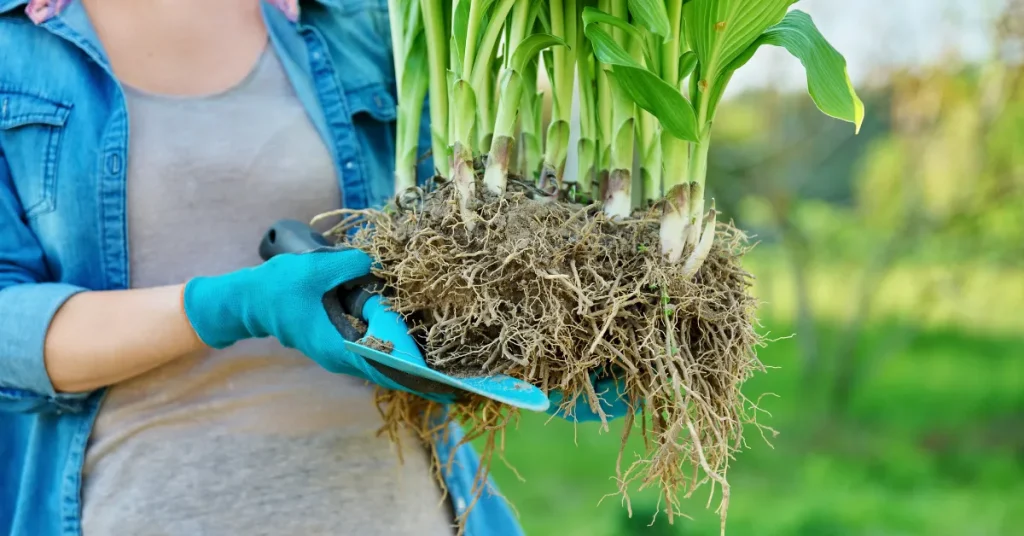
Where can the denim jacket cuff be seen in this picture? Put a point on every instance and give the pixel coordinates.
(25, 314)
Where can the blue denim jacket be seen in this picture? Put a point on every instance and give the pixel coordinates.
(63, 145)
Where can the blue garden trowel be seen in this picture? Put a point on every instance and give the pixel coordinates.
(290, 236)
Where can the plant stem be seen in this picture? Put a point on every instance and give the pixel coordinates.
(500, 154)
(403, 173)
(675, 222)
(482, 75)
(698, 230)
(510, 98)
(463, 172)
(649, 130)
(563, 24)
(587, 145)
(519, 28)
(410, 114)
(675, 152)
(676, 160)
(476, 16)
(530, 125)
(698, 175)
(699, 165)
(604, 124)
(604, 119)
(486, 97)
(437, 53)
(398, 38)
(463, 98)
(703, 247)
(411, 77)
(651, 170)
(672, 48)
(618, 198)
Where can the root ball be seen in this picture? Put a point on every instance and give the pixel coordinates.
(556, 294)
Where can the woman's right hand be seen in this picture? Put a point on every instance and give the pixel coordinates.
(284, 298)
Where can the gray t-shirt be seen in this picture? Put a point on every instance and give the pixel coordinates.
(254, 439)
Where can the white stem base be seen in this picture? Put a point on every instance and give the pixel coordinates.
(496, 174)
(618, 203)
(707, 239)
(675, 223)
(465, 185)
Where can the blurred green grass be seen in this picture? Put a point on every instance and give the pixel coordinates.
(932, 442)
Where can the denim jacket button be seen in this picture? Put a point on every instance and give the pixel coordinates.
(350, 165)
(114, 163)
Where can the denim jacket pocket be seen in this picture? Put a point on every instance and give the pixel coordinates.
(31, 128)
(374, 116)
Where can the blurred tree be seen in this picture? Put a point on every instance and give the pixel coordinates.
(948, 180)
(777, 156)
(937, 174)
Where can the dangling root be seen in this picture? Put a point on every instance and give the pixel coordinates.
(553, 293)
(480, 418)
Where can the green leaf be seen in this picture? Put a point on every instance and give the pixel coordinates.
(415, 81)
(694, 82)
(645, 88)
(531, 46)
(720, 30)
(485, 5)
(487, 45)
(535, 10)
(415, 75)
(413, 21)
(544, 20)
(413, 27)
(623, 139)
(653, 15)
(460, 27)
(463, 112)
(635, 37)
(605, 47)
(828, 81)
(592, 15)
(510, 100)
(687, 63)
(549, 63)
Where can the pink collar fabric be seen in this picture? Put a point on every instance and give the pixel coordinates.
(41, 11)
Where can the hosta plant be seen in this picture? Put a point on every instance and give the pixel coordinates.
(508, 262)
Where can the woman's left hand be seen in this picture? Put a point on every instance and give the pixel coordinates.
(610, 393)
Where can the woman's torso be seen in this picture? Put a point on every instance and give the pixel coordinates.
(64, 137)
(253, 439)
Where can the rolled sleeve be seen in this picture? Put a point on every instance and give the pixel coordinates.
(25, 315)
(28, 301)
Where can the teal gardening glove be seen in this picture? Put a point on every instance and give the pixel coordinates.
(284, 298)
(610, 393)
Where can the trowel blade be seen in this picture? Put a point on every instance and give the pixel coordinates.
(502, 388)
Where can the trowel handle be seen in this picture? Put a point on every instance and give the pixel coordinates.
(291, 236)
(347, 300)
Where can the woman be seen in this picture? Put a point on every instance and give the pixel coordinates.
(154, 377)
